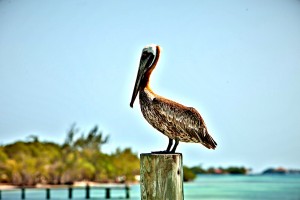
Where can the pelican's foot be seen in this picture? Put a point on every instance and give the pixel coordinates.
(162, 152)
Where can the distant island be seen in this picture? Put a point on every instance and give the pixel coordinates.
(190, 173)
(281, 170)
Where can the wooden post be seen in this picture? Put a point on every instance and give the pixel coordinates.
(22, 193)
(127, 196)
(87, 191)
(161, 176)
(70, 192)
(47, 193)
(107, 193)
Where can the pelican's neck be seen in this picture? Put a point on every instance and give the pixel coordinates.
(149, 72)
(145, 82)
(148, 91)
(147, 88)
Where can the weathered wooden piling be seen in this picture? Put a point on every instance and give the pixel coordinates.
(161, 176)
(22, 193)
(127, 195)
(70, 192)
(87, 191)
(107, 193)
(47, 193)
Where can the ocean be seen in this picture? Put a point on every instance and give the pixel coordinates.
(205, 187)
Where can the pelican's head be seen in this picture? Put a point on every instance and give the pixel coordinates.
(149, 58)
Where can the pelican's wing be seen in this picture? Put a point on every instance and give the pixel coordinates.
(186, 121)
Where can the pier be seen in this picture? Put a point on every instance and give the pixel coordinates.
(108, 191)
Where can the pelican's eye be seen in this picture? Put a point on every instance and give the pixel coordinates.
(144, 55)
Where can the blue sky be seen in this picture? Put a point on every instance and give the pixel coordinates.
(236, 62)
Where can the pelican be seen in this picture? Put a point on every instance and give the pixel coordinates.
(176, 121)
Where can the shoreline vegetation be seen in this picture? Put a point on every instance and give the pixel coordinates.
(80, 161)
(79, 158)
(191, 173)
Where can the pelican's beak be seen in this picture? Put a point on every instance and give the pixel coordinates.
(145, 62)
(139, 77)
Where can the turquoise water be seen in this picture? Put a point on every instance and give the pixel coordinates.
(205, 187)
(262, 187)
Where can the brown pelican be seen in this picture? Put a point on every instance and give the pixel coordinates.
(176, 121)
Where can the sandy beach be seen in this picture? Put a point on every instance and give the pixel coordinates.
(7, 187)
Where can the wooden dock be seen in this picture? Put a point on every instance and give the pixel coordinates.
(87, 188)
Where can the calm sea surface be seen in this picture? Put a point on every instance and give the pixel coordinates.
(205, 187)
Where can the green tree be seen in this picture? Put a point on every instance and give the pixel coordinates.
(198, 170)
(236, 170)
(126, 164)
(188, 174)
(78, 158)
(93, 141)
(211, 170)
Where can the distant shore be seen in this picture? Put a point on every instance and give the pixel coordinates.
(75, 184)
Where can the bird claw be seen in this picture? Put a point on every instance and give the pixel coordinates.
(162, 152)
